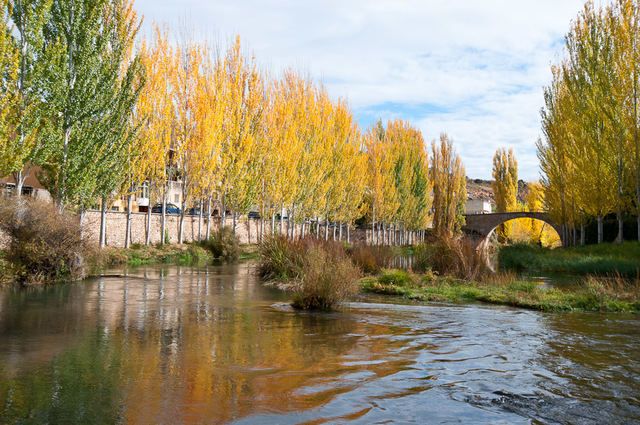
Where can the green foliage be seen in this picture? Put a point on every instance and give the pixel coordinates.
(608, 295)
(90, 87)
(44, 245)
(600, 259)
(188, 254)
(396, 277)
(223, 244)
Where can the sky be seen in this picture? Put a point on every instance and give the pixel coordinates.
(473, 69)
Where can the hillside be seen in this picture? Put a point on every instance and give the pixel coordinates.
(481, 189)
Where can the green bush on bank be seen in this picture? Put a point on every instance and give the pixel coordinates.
(139, 255)
(223, 244)
(593, 294)
(603, 259)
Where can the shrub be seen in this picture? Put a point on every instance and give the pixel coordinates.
(327, 280)
(396, 277)
(223, 244)
(44, 246)
(371, 259)
(321, 272)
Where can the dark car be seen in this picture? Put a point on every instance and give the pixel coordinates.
(171, 209)
(254, 215)
(194, 211)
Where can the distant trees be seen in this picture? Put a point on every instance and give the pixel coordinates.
(102, 118)
(590, 151)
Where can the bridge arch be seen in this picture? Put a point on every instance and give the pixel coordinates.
(481, 226)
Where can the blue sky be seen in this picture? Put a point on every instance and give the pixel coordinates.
(474, 69)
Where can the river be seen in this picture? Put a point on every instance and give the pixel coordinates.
(172, 345)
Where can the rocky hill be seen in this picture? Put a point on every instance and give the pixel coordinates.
(481, 189)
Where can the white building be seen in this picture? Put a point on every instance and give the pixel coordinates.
(478, 206)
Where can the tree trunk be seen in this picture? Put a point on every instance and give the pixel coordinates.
(582, 235)
(206, 237)
(234, 216)
(103, 222)
(261, 229)
(281, 221)
(181, 223)
(273, 224)
(326, 229)
(19, 176)
(620, 237)
(147, 240)
(127, 233)
(348, 233)
(600, 230)
(200, 215)
(340, 233)
(163, 219)
(248, 230)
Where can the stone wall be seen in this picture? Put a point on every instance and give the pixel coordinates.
(247, 230)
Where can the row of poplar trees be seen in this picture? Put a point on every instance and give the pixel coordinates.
(101, 114)
(590, 154)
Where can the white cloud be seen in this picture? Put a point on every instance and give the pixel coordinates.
(481, 62)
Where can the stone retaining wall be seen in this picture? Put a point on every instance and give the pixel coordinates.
(247, 230)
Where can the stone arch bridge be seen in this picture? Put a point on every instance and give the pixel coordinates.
(480, 226)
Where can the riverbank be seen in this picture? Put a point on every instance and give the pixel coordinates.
(591, 295)
(604, 259)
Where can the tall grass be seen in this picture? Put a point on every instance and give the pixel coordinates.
(451, 256)
(604, 259)
(321, 273)
(371, 259)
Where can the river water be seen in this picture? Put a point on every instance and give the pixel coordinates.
(212, 345)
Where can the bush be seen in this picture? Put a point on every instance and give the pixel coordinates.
(44, 246)
(321, 272)
(223, 245)
(327, 280)
(396, 277)
(371, 259)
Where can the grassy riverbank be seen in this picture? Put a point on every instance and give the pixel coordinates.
(593, 294)
(604, 259)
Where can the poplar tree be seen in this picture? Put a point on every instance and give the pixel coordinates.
(505, 183)
(89, 88)
(9, 99)
(23, 146)
(449, 188)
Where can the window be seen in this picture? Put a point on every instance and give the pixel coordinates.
(143, 191)
(176, 198)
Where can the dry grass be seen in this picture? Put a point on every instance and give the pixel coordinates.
(321, 273)
(371, 259)
(456, 257)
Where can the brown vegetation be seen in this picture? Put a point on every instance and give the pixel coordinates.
(44, 246)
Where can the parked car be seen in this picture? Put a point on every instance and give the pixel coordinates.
(171, 209)
(254, 215)
(193, 211)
